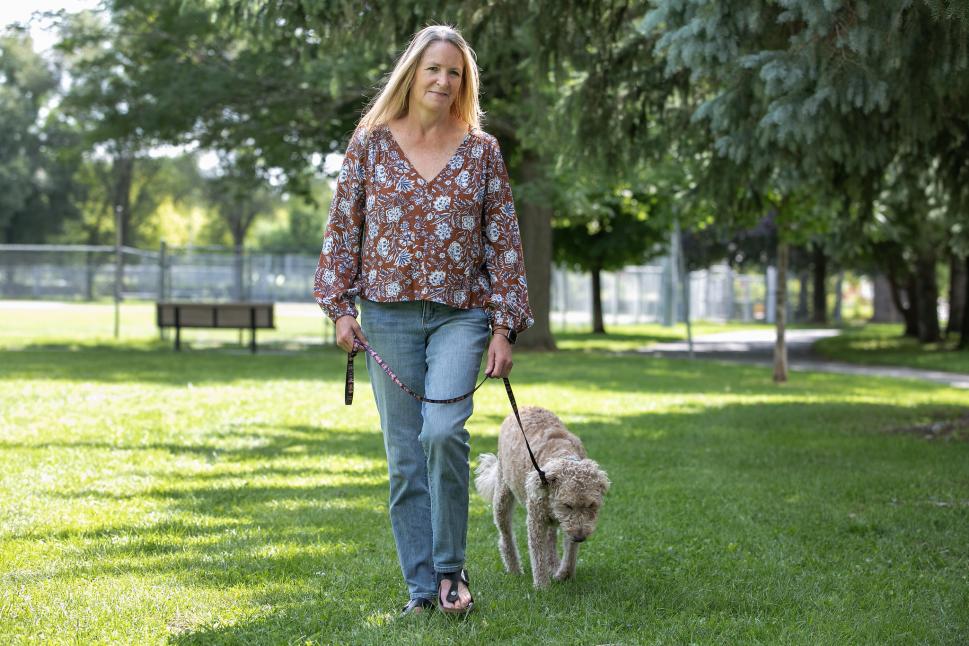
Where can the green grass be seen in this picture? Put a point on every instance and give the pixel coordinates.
(628, 338)
(216, 497)
(883, 344)
(25, 323)
(297, 326)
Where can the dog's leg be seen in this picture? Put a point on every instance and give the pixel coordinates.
(538, 542)
(553, 552)
(503, 506)
(566, 568)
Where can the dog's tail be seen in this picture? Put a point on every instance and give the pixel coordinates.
(488, 473)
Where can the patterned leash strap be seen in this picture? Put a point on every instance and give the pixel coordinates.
(348, 393)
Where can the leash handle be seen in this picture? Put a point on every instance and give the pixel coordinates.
(348, 394)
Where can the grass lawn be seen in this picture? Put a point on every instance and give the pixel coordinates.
(298, 325)
(883, 344)
(216, 497)
(628, 338)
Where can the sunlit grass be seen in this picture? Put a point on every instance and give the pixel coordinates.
(298, 325)
(211, 496)
(631, 338)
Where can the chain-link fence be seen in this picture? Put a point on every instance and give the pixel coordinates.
(644, 294)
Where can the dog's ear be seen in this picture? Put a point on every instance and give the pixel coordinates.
(602, 480)
(553, 469)
(604, 483)
(533, 486)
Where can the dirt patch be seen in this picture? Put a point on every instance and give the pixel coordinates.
(945, 429)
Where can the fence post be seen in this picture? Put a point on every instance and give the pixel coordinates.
(616, 286)
(162, 258)
(564, 288)
(162, 261)
(118, 270)
(666, 292)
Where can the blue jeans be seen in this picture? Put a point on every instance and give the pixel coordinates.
(436, 350)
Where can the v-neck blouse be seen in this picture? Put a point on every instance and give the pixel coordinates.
(394, 236)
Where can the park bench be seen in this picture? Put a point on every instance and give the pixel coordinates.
(241, 316)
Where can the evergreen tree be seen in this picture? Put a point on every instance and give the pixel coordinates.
(802, 93)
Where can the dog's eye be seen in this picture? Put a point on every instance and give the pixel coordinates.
(569, 507)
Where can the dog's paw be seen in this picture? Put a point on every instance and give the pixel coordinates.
(562, 575)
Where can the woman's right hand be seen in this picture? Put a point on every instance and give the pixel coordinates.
(348, 329)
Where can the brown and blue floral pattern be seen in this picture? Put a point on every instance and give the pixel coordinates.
(393, 236)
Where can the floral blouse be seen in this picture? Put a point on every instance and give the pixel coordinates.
(393, 236)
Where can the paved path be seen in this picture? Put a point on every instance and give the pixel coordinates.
(757, 346)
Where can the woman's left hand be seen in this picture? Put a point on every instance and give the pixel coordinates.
(499, 357)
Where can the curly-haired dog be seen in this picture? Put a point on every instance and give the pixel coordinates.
(571, 501)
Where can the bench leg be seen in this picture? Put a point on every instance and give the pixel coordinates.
(178, 338)
(252, 329)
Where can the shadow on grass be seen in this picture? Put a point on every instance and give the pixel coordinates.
(121, 365)
(315, 558)
(264, 524)
(688, 489)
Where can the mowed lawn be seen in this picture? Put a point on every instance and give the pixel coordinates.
(216, 497)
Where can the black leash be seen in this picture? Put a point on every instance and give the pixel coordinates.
(348, 393)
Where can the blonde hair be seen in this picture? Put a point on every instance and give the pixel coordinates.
(392, 100)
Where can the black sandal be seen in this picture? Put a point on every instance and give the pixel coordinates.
(417, 606)
(452, 594)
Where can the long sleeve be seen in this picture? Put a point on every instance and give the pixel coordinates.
(508, 302)
(337, 275)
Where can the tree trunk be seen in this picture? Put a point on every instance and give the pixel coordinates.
(597, 324)
(908, 310)
(964, 338)
(957, 295)
(820, 293)
(911, 312)
(239, 273)
(928, 299)
(123, 168)
(780, 345)
(801, 314)
(884, 309)
(837, 314)
(535, 222)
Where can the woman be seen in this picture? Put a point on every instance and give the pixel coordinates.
(423, 229)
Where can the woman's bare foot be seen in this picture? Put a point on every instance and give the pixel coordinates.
(463, 600)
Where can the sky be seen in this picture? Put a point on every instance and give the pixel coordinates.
(18, 11)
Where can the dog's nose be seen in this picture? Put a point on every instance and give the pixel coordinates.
(578, 539)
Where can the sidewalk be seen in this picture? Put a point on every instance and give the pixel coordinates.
(757, 346)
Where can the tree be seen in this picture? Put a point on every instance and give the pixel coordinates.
(277, 77)
(801, 93)
(36, 160)
(606, 231)
(238, 199)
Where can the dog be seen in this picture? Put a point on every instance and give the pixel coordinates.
(570, 503)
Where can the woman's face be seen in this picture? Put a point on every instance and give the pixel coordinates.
(438, 78)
